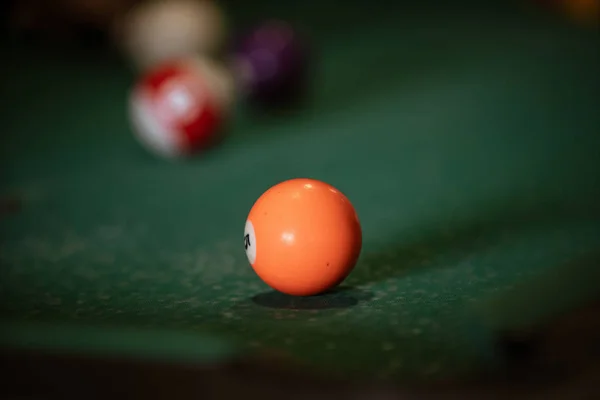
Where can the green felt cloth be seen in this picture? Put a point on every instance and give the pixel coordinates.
(467, 141)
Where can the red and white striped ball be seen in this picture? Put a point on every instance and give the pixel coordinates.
(179, 107)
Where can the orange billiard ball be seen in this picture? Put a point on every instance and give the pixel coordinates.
(302, 237)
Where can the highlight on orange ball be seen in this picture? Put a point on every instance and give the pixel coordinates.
(303, 237)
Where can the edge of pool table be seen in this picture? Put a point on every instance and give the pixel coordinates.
(553, 353)
(49, 375)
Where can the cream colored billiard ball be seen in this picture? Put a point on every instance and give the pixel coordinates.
(161, 30)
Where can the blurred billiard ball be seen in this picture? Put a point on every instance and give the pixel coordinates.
(155, 32)
(179, 107)
(272, 64)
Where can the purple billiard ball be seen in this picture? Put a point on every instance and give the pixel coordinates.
(272, 64)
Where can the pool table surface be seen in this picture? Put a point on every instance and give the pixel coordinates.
(466, 137)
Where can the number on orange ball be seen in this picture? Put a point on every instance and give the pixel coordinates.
(302, 237)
